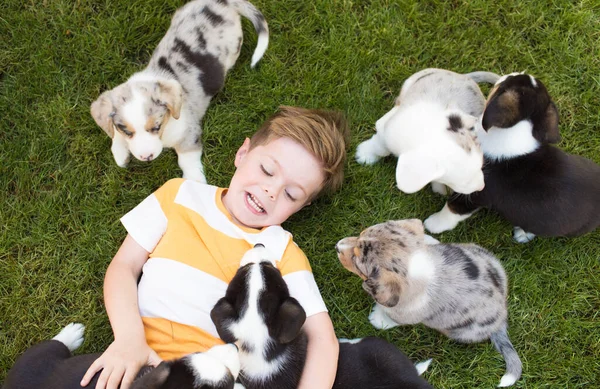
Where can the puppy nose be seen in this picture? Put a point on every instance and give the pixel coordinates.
(148, 157)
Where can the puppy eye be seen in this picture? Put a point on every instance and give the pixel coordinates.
(155, 129)
(124, 130)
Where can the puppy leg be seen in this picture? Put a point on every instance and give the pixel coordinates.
(439, 188)
(380, 320)
(521, 236)
(457, 209)
(38, 362)
(372, 150)
(430, 240)
(120, 150)
(191, 164)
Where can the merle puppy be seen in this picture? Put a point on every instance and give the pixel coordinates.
(537, 187)
(162, 105)
(51, 365)
(258, 314)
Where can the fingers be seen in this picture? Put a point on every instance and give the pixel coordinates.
(110, 379)
(128, 378)
(89, 374)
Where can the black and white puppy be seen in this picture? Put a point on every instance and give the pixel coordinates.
(50, 365)
(162, 105)
(537, 187)
(258, 314)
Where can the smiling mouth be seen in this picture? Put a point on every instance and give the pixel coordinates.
(254, 203)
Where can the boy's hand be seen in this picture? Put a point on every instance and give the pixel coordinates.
(120, 364)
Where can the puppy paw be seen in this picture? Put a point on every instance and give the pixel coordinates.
(71, 336)
(439, 222)
(521, 236)
(380, 320)
(122, 157)
(364, 154)
(442, 189)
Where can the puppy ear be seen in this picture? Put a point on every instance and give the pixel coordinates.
(413, 225)
(288, 321)
(101, 111)
(416, 169)
(550, 124)
(384, 287)
(154, 379)
(171, 94)
(222, 315)
(501, 111)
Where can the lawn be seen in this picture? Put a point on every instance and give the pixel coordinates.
(63, 194)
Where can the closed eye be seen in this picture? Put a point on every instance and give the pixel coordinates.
(265, 171)
(155, 129)
(290, 196)
(124, 130)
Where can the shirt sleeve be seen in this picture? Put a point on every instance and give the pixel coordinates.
(147, 222)
(299, 278)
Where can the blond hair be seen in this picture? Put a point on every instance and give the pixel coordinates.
(323, 133)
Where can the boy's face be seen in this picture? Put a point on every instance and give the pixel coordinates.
(272, 182)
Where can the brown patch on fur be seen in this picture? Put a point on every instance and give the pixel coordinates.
(386, 288)
(380, 257)
(552, 134)
(171, 94)
(502, 111)
(101, 110)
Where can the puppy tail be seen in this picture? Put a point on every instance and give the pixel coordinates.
(479, 77)
(513, 363)
(259, 22)
(71, 336)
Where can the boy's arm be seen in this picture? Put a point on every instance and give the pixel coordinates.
(322, 354)
(129, 351)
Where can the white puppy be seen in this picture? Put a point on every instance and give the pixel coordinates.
(162, 105)
(430, 130)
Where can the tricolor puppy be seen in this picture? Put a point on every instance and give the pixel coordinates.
(258, 314)
(162, 105)
(457, 289)
(431, 131)
(50, 365)
(537, 187)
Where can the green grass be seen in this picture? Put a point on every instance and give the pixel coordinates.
(63, 193)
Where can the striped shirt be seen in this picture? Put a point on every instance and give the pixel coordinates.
(195, 250)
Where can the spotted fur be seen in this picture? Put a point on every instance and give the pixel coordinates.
(457, 289)
(163, 105)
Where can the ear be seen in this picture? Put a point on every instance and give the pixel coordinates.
(416, 169)
(412, 225)
(384, 287)
(288, 321)
(154, 379)
(222, 315)
(101, 111)
(242, 151)
(550, 124)
(171, 94)
(501, 111)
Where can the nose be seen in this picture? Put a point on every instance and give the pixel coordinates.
(148, 157)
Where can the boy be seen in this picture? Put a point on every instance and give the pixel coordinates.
(189, 239)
